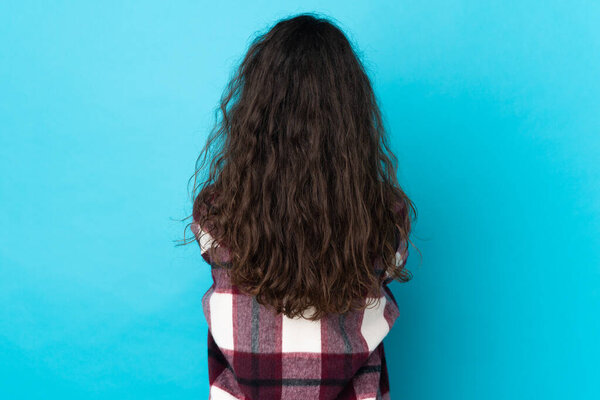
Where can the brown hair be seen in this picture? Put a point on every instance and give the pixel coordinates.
(302, 190)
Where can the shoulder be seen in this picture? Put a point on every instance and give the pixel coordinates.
(203, 237)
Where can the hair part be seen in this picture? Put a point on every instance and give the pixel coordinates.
(302, 188)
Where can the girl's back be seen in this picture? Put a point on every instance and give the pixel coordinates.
(303, 223)
(255, 353)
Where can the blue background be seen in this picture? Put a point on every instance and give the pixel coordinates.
(494, 112)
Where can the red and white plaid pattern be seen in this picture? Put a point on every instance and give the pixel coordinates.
(254, 354)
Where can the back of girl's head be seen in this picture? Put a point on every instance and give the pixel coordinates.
(302, 187)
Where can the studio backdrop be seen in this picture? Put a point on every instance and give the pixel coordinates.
(493, 110)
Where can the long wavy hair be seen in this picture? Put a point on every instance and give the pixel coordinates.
(302, 186)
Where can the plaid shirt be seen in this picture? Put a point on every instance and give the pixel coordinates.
(254, 354)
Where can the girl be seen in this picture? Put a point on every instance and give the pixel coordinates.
(303, 224)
